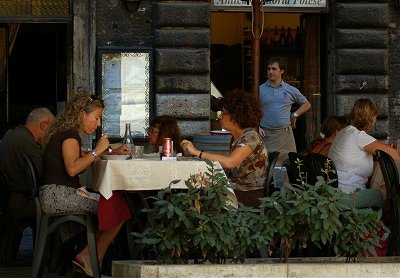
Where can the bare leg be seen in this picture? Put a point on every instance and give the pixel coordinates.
(104, 239)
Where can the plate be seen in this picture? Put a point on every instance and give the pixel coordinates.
(114, 157)
(220, 132)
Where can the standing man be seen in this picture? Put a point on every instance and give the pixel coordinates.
(276, 98)
(25, 139)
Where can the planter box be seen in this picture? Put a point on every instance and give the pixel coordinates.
(295, 267)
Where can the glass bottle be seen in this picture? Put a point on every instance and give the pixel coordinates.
(297, 37)
(282, 37)
(128, 140)
(275, 37)
(289, 38)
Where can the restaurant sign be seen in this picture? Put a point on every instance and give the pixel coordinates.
(272, 5)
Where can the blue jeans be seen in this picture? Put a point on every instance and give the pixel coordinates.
(363, 198)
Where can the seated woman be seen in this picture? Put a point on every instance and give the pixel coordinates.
(329, 128)
(164, 127)
(247, 161)
(352, 152)
(62, 163)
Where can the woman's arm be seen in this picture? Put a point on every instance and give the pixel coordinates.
(71, 151)
(378, 145)
(230, 161)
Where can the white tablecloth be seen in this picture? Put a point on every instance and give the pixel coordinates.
(143, 174)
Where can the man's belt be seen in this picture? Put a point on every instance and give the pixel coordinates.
(276, 129)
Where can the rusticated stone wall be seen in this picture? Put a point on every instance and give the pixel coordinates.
(178, 32)
(394, 70)
(358, 57)
(181, 41)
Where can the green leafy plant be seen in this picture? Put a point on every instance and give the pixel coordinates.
(201, 223)
(305, 212)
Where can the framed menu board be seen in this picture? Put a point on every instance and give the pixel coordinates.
(124, 81)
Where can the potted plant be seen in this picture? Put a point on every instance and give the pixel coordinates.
(202, 224)
(305, 212)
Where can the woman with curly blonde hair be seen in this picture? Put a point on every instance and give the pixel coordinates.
(247, 160)
(63, 161)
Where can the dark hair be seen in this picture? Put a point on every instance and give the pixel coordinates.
(363, 113)
(168, 128)
(243, 107)
(329, 126)
(279, 60)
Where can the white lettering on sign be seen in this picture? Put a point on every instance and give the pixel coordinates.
(274, 3)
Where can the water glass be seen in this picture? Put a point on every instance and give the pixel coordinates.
(137, 151)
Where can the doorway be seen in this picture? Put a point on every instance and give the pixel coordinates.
(285, 35)
(33, 69)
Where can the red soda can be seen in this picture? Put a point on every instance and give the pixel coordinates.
(168, 147)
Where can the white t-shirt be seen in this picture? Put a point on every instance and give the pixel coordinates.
(354, 166)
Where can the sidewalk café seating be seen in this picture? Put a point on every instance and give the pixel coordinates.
(48, 223)
(391, 177)
(272, 158)
(312, 166)
(315, 163)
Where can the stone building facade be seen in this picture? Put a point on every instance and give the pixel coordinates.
(362, 53)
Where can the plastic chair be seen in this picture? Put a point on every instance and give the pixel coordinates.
(391, 177)
(272, 158)
(48, 223)
(315, 163)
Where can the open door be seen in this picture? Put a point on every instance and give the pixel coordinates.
(33, 69)
(311, 69)
(3, 74)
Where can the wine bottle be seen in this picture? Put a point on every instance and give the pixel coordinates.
(289, 38)
(297, 37)
(128, 140)
(275, 37)
(282, 37)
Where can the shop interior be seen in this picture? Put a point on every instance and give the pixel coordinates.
(283, 34)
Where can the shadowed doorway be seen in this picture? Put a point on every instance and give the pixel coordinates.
(35, 71)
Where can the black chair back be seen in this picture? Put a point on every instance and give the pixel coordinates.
(4, 193)
(315, 164)
(32, 174)
(391, 177)
(272, 158)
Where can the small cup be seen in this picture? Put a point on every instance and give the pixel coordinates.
(137, 151)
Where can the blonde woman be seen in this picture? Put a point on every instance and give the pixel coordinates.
(352, 152)
(62, 163)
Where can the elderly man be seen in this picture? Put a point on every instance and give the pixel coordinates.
(25, 139)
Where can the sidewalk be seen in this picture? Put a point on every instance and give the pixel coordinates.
(22, 267)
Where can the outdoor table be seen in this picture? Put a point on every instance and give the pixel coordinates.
(148, 173)
(140, 177)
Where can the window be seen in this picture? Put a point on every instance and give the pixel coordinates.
(124, 84)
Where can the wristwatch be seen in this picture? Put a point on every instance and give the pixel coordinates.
(294, 114)
(93, 153)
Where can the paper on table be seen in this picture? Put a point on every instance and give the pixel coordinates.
(84, 193)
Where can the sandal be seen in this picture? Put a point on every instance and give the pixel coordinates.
(84, 268)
